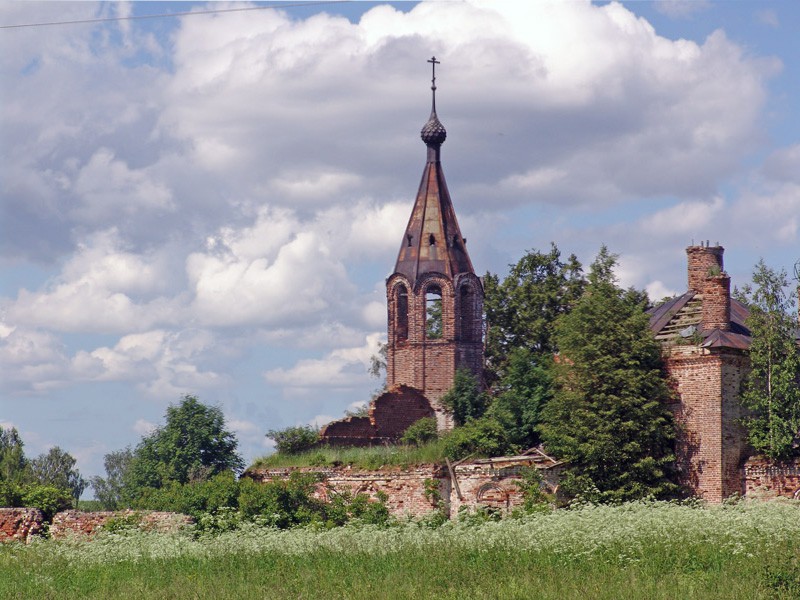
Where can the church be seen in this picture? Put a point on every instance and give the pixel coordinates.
(435, 327)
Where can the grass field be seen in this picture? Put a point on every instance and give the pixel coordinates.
(643, 550)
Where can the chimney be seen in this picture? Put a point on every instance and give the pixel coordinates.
(703, 261)
(716, 294)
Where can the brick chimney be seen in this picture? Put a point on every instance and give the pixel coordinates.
(707, 278)
(703, 261)
(717, 303)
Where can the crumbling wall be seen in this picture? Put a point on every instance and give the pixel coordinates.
(390, 414)
(764, 479)
(20, 524)
(72, 522)
(420, 490)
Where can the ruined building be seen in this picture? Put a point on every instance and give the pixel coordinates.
(705, 353)
(435, 310)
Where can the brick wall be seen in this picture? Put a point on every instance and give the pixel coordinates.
(430, 364)
(20, 524)
(390, 414)
(764, 479)
(75, 522)
(476, 485)
(710, 444)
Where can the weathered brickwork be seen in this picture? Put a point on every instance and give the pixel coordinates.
(765, 479)
(20, 524)
(390, 414)
(487, 483)
(703, 261)
(716, 311)
(707, 369)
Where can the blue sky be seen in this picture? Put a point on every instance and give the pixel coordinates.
(210, 204)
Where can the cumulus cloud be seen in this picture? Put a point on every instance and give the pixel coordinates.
(681, 9)
(342, 367)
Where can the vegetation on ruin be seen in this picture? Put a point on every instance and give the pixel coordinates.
(373, 457)
(772, 389)
(638, 550)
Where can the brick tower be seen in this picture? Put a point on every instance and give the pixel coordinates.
(435, 300)
(705, 341)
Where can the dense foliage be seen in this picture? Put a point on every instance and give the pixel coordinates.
(608, 415)
(193, 446)
(521, 311)
(49, 482)
(465, 400)
(772, 388)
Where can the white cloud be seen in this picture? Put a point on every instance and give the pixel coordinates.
(681, 9)
(685, 218)
(343, 368)
(144, 427)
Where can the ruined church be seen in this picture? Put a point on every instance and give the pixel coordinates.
(435, 327)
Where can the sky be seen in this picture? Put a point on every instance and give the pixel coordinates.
(210, 204)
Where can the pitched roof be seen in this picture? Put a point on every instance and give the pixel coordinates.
(681, 317)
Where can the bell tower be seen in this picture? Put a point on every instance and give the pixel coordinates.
(434, 298)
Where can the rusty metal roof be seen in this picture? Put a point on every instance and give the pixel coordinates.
(684, 312)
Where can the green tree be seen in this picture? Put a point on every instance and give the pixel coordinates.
(521, 311)
(465, 400)
(772, 388)
(193, 445)
(56, 468)
(111, 490)
(521, 394)
(13, 464)
(608, 415)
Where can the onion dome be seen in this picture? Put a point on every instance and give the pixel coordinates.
(433, 133)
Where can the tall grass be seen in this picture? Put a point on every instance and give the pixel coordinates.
(639, 550)
(373, 457)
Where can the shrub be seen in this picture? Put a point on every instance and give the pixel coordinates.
(46, 498)
(294, 440)
(421, 432)
(485, 437)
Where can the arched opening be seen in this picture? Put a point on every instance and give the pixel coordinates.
(401, 315)
(433, 313)
(468, 322)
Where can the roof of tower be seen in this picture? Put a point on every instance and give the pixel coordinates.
(432, 242)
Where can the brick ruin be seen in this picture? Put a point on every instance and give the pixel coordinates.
(491, 483)
(705, 344)
(23, 524)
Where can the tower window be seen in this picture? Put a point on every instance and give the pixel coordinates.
(433, 313)
(469, 325)
(401, 316)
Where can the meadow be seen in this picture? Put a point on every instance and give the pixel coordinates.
(746, 550)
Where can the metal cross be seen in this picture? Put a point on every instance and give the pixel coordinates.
(433, 62)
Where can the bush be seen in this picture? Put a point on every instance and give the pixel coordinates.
(484, 437)
(294, 440)
(47, 499)
(195, 499)
(421, 432)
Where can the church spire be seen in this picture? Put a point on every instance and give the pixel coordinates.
(432, 242)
